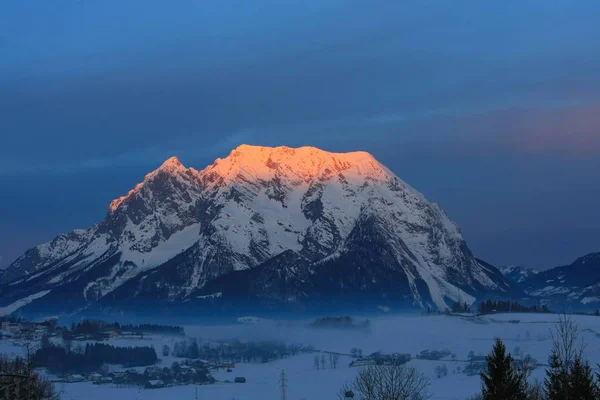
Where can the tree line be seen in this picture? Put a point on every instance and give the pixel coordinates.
(459, 307)
(61, 360)
(491, 306)
(92, 327)
(340, 323)
(235, 350)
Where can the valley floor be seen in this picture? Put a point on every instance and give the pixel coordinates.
(401, 334)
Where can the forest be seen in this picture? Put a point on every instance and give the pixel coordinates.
(61, 360)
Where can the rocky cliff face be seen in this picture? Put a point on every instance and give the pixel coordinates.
(297, 225)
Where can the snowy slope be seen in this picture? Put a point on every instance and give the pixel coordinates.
(577, 284)
(517, 274)
(180, 229)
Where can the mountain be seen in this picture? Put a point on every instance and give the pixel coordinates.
(263, 227)
(517, 275)
(576, 285)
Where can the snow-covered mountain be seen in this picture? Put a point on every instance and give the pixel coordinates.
(516, 274)
(576, 285)
(276, 225)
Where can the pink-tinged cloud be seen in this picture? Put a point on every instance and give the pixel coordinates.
(573, 131)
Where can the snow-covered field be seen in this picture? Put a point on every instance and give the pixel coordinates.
(402, 334)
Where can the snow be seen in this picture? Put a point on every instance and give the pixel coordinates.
(164, 251)
(22, 302)
(210, 296)
(587, 300)
(260, 194)
(551, 290)
(523, 273)
(392, 333)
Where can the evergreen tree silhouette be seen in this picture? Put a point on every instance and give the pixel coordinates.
(556, 384)
(581, 381)
(501, 381)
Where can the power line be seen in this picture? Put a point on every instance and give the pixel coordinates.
(283, 384)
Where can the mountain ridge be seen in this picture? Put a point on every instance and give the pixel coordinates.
(574, 285)
(246, 210)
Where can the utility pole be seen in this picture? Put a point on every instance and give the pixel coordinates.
(283, 384)
(196, 393)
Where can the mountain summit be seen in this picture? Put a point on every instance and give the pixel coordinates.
(264, 226)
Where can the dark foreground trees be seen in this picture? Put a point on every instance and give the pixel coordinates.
(387, 382)
(569, 375)
(501, 381)
(19, 381)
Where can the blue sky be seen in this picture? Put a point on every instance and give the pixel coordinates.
(491, 111)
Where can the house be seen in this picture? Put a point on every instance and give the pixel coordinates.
(239, 379)
(94, 377)
(11, 327)
(154, 384)
(76, 378)
(153, 370)
(360, 362)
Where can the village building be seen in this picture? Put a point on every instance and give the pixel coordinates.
(76, 378)
(154, 384)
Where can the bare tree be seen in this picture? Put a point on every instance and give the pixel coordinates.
(441, 371)
(535, 391)
(316, 363)
(19, 381)
(388, 382)
(566, 343)
(335, 360)
(528, 364)
(356, 352)
(517, 351)
(322, 361)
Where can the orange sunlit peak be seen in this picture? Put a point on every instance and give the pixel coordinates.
(172, 162)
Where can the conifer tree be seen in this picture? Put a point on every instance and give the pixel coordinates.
(194, 351)
(501, 381)
(556, 384)
(581, 381)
